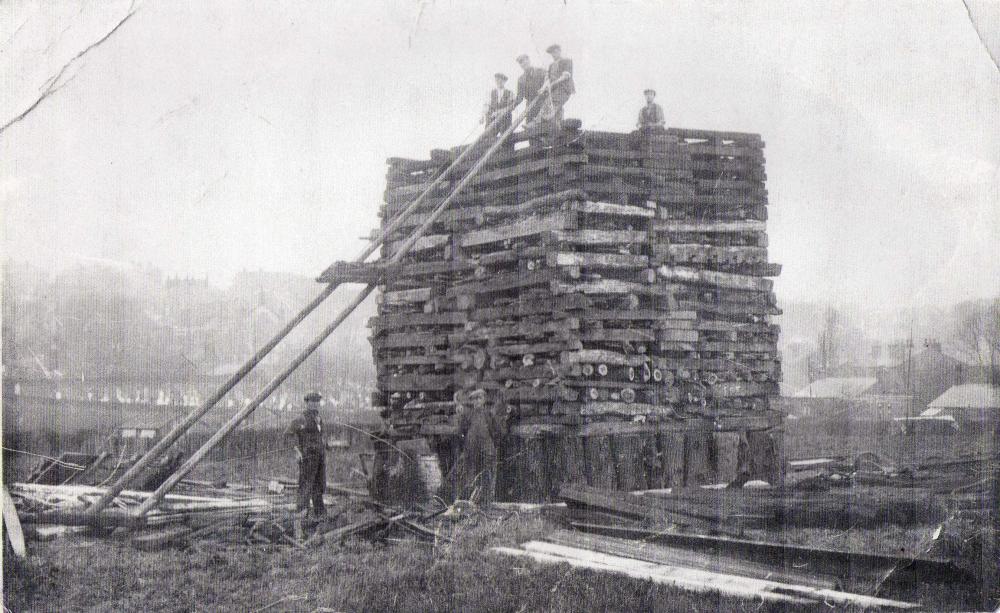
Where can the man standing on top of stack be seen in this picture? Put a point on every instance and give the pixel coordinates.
(560, 68)
(651, 116)
(310, 448)
(529, 85)
(499, 105)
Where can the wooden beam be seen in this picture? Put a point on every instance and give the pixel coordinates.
(719, 279)
(708, 227)
(720, 562)
(596, 260)
(530, 226)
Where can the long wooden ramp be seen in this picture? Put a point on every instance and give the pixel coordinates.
(230, 425)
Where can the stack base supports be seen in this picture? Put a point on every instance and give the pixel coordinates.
(533, 465)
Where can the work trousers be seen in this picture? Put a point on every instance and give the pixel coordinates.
(312, 482)
(559, 100)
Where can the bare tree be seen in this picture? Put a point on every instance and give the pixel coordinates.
(977, 334)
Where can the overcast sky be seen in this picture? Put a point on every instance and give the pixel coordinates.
(206, 138)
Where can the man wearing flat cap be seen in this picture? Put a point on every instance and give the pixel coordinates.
(561, 80)
(499, 105)
(529, 86)
(310, 449)
(651, 116)
(481, 430)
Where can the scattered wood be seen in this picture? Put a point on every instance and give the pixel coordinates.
(820, 559)
(696, 579)
(720, 562)
(160, 539)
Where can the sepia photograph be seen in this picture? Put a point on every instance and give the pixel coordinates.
(321, 306)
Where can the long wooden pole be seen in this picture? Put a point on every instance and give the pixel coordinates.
(178, 430)
(243, 413)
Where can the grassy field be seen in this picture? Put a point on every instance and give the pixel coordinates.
(108, 574)
(91, 574)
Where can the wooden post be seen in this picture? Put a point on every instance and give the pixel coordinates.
(654, 462)
(576, 459)
(698, 458)
(601, 462)
(629, 462)
(672, 444)
(727, 452)
(534, 487)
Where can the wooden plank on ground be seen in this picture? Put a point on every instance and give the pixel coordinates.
(687, 558)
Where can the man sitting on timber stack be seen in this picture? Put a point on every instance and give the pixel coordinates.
(651, 118)
(499, 105)
(561, 84)
(310, 449)
(529, 85)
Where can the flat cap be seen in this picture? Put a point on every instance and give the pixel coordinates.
(500, 75)
(523, 56)
(649, 91)
(552, 48)
(312, 397)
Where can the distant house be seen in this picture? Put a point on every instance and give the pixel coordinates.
(855, 398)
(837, 387)
(969, 404)
(925, 374)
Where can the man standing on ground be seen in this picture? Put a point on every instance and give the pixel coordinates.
(651, 116)
(560, 68)
(473, 477)
(310, 449)
(529, 85)
(499, 105)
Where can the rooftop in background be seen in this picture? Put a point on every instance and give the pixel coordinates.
(837, 387)
(967, 396)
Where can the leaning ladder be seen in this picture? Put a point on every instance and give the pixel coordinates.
(176, 432)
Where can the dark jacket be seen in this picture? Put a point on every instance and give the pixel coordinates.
(499, 101)
(651, 115)
(308, 433)
(556, 68)
(529, 84)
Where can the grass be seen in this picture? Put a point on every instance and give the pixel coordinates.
(107, 574)
(90, 574)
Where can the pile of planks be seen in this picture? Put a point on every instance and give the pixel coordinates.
(67, 505)
(688, 569)
(235, 513)
(610, 291)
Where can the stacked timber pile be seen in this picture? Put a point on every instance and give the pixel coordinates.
(610, 291)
